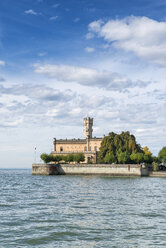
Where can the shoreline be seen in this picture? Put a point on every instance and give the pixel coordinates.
(114, 170)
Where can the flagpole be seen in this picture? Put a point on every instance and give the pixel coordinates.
(35, 155)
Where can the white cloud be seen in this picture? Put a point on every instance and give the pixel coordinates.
(9, 123)
(89, 49)
(88, 76)
(31, 12)
(53, 18)
(95, 26)
(33, 110)
(76, 19)
(27, 102)
(56, 5)
(89, 36)
(2, 62)
(143, 36)
(42, 54)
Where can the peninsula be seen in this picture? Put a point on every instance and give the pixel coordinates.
(114, 155)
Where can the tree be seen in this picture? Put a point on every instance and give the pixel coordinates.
(79, 157)
(155, 159)
(162, 154)
(137, 157)
(69, 158)
(148, 159)
(118, 145)
(109, 158)
(59, 158)
(155, 166)
(146, 151)
(47, 157)
(123, 158)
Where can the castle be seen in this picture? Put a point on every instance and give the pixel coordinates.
(88, 146)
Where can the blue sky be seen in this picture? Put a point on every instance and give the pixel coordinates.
(63, 60)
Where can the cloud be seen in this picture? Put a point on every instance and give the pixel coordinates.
(56, 5)
(143, 36)
(2, 79)
(14, 123)
(23, 103)
(30, 12)
(53, 18)
(89, 36)
(89, 77)
(36, 106)
(76, 19)
(2, 63)
(89, 49)
(42, 54)
(36, 92)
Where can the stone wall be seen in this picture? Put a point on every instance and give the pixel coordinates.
(44, 169)
(157, 174)
(89, 169)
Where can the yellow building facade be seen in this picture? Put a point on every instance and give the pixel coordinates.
(88, 146)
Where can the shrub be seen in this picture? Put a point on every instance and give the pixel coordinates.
(155, 166)
(79, 157)
(67, 158)
(47, 157)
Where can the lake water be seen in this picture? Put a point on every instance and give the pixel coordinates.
(81, 211)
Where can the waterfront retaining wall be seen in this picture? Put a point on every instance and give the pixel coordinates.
(157, 174)
(90, 169)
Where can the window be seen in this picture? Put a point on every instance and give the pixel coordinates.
(95, 148)
(85, 149)
(90, 148)
(61, 149)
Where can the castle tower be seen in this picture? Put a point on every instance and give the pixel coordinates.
(88, 123)
(54, 143)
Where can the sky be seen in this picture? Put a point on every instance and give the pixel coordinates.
(61, 61)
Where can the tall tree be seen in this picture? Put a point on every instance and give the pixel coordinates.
(162, 154)
(118, 148)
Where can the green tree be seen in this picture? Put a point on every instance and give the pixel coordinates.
(148, 159)
(59, 158)
(47, 157)
(79, 157)
(162, 155)
(109, 158)
(69, 158)
(116, 145)
(123, 158)
(137, 157)
(155, 166)
(155, 159)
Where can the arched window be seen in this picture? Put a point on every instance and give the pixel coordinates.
(61, 149)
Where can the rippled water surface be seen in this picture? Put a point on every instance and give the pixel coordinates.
(81, 211)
